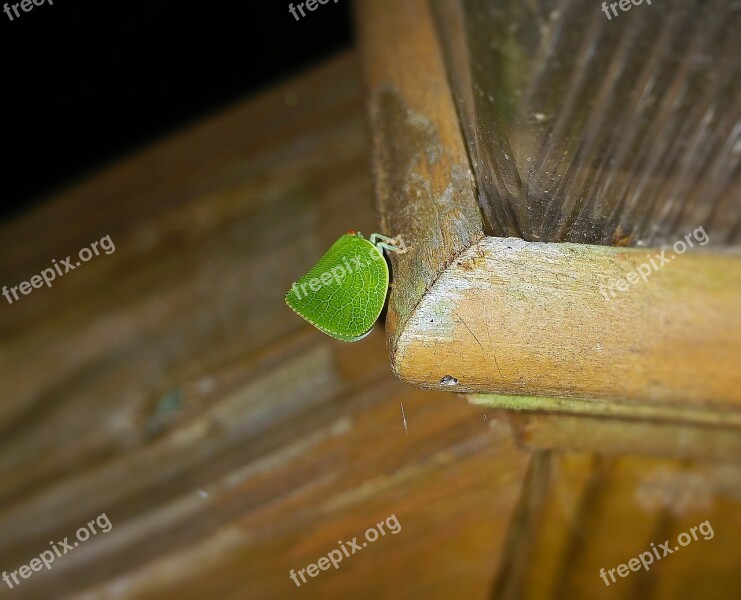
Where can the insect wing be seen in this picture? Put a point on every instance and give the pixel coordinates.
(343, 294)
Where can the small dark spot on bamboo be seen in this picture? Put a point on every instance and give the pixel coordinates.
(448, 380)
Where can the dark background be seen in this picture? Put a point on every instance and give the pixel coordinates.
(85, 82)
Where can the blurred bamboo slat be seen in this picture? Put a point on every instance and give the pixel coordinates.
(169, 386)
(626, 436)
(581, 513)
(618, 428)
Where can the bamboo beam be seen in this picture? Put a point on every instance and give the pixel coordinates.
(423, 181)
(617, 428)
(515, 317)
(502, 315)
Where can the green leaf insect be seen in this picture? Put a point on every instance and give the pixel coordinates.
(344, 292)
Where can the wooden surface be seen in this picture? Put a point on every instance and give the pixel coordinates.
(228, 442)
(506, 316)
(616, 428)
(621, 436)
(423, 181)
(581, 513)
(525, 318)
(586, 129)
(169, 386)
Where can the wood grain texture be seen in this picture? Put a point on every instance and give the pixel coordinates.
(617, 428)
(626, 436)
(592, 130)
(501, 315)
(423, 181)
(701, 416)
(526, 318)
(169, 386)
(581, 513)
